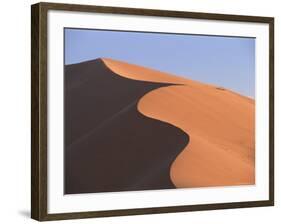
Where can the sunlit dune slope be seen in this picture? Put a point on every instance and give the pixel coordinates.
(219, 122)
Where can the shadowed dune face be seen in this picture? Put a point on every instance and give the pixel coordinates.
(220, 124)
(109, 145)
(132, 128)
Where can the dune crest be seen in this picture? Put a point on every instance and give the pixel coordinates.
(140, 73)
(220, 124)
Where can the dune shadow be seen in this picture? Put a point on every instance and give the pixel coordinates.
(24, 213)
(109, 145)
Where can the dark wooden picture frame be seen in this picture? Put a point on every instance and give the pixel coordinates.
(39, 149)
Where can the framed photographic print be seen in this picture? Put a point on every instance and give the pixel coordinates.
(140, 111)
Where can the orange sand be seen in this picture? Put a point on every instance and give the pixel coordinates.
(219, 122)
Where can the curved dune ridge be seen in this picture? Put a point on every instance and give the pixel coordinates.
(109, 145)
(219, 122)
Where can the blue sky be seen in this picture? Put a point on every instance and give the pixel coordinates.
(224, 61)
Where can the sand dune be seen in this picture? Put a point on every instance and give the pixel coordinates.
(219, 122)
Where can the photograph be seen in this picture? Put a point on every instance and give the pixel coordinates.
(154, 110)
(145, 111)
